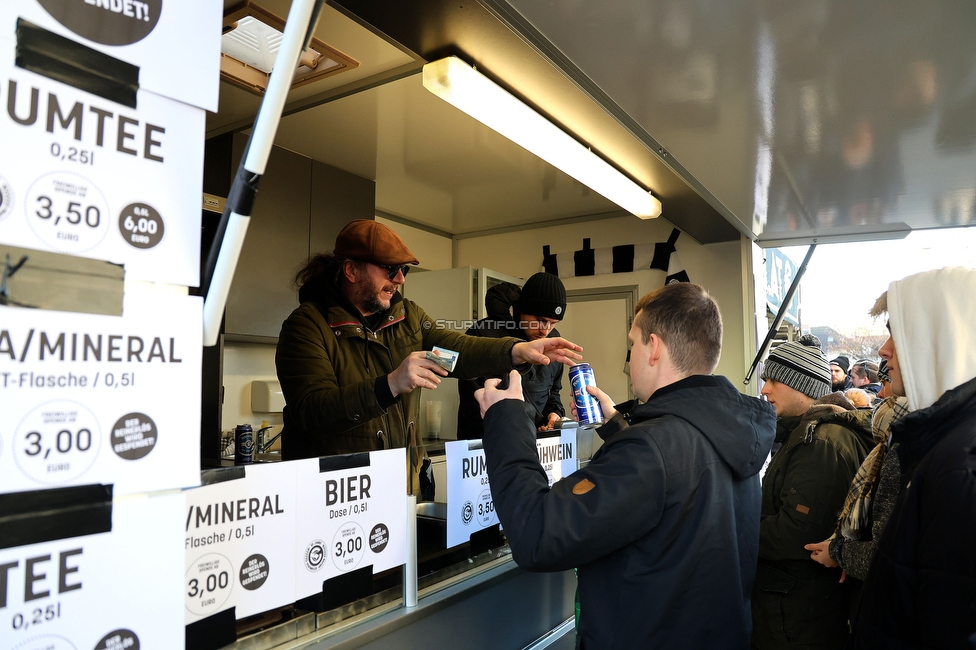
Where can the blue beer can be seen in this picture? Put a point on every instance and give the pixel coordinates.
(243, 444)
(587, 407)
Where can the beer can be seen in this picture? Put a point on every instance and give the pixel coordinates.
(243, 444)
(587, 407)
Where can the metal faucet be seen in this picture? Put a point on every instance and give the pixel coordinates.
(262, 443)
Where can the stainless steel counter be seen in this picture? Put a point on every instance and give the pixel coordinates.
(462, 610)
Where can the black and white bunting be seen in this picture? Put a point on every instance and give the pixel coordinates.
(618, 259)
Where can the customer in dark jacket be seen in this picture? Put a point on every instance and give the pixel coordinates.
(351, 357)
(663, 522)
(796, 602)
(921, 588)
(535, 309)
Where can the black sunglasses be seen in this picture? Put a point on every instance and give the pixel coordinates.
(393, 269)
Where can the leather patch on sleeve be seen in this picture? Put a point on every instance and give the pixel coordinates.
(583, 486)
(802, 509)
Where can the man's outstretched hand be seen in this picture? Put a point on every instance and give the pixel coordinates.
(542, 352)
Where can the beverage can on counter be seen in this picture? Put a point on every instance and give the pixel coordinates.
(243, 444)
(587, 407)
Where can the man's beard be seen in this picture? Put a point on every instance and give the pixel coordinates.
(368, 301)
(372, 305)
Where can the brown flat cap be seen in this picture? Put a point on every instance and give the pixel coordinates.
(371, 241)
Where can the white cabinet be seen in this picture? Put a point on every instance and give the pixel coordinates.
(456, 295)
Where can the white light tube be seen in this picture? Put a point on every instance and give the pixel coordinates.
(465, 88)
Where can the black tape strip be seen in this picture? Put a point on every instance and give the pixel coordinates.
(241, 201)
(221, 474)
(662, 256)
(64, 60)
(680, 276)
(674, 236)
(46, 515)
(243, 191)
(213, 632)
(623, 258)
(348, 461)
(585, 260)
(549, 262)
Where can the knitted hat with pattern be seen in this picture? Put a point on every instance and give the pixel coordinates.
(801, 365)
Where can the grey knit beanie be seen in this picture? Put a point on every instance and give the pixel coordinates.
(801, 365)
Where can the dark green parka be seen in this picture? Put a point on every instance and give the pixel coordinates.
(796, 601)
(329, 361)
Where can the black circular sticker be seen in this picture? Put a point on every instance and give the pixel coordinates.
(141, 225)
(379, 537)
(134, 436)
(254, 572)
(119, 640)
(110, 22)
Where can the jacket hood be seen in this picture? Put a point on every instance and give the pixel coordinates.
(931, 316)
(824, 411)
(740, 428)
(858, 421)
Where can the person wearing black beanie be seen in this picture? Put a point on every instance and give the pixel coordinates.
(535, 310)
(840, 373)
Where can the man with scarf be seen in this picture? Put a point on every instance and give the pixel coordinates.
(871, 497)
(921, 587)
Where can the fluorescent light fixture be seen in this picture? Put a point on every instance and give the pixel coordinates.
(465, 88)
(249, 46)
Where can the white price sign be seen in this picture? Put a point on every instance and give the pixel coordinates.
(97, 179)
(240, 543)
(90, 398)
(558, 455)
(175, 44)
(107, 591)
(351, 517)
(470, 507)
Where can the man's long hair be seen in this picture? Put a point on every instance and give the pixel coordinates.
(321, 265)
(688, 320)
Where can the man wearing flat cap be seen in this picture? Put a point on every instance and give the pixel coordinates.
(351, 356)
(796, 601)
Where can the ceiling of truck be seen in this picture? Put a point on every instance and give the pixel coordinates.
(780, 121)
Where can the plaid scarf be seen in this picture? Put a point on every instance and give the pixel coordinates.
(855, 519)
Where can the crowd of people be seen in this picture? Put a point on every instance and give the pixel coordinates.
(862, 534)
(837, 510)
